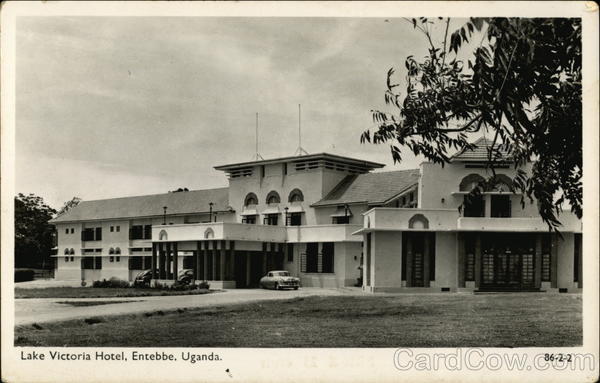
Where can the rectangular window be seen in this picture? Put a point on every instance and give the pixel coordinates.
(136, 232)
(98, 262)
(66, 231)
(500, 206)
(546, 258)
(295, 219)
(98, 234)
(72, 230)
(87, 234)
(87, 263)
(112, 228)
(249, 219)
(112, 259)
(344, 220)
(118, 229)
(66, 259)
(290, 252)
(118, 259)
(469, 259)
(271, 219)
(328, 255)
(136, 263)
(474, 206)
(72, 259)
(312, 254)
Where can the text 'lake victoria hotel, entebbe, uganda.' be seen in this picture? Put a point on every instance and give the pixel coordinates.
(332, 222)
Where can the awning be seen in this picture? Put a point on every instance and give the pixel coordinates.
(271, 210)
(249, 212)
(296, 209)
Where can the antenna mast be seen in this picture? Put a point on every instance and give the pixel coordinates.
(257, 156)
(300, 151)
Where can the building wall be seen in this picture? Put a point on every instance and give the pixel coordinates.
(437, 183)
(386, 260)
(565, 261)
(446, 260)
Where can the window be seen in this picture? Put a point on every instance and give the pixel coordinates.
(112, 228)
(470, 182)
(271, 219)
(66, 259)
(118, 229)
(66, 231)
(72, 230)
(249, 219)
(72, 259)
(295, 219)
(111, 259)
(296, 196)
(327, 257)
(140, 232)
(340, 220)
(546, 258)
(136, 263)
(91, 234)
(474, 206)
(66, 251)
(117, 250)
(91, 263)
(273, 197)
(250, 199)
(500, 206)
(312, 250)
(118, 259)
(290, 252)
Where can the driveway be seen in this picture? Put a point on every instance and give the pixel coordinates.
(39, 310)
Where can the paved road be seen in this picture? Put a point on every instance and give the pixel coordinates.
(39, 310)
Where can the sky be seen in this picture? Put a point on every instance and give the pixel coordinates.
(120, 106)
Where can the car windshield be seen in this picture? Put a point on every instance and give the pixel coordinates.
(281, 274)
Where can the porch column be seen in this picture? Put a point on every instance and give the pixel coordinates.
(168, 276)
(205, 255)
(477, 260)
(409, 260)
(153, 266)
(554, 260)
(460, 250)
(175, 261)
(537, 269)
(222, 262)
(161, 261)
(426, 250)
(197, 260)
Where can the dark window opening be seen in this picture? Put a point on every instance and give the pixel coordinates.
(136, 263)
(474, 206)
(312, 253)
(290, 252)
(91, 263)
(271, 219)
(500, 206)
(112, 229)
(344, 220)
(327, 257)
(140, 232)
(249, 219)
(295, 219)
(91, 234)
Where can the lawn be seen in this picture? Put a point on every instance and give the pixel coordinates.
(453, 320)
(94, 292)
(92, 303)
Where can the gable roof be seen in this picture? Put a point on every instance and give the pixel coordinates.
(372, 188)
(193, 201)
(480, 152)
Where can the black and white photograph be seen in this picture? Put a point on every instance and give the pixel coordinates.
(320, 191)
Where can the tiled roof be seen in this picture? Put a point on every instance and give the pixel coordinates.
(193, 201)
(479, 153)
(373, 188)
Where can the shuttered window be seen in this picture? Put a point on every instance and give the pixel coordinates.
(312, 255)
(327, 257)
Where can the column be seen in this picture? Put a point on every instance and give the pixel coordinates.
(153, 266)
(426, 250)
(553, 261)
(205, 255)
(537, 264)
(409, 260)
(460, 250)
(232, 259)
(161, 261)
(197, 260)
(168, 276)
(222, 262)
(477, 260)
(175, 261)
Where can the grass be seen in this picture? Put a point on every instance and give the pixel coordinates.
(457, 320)
(93, 292)
(91, 303)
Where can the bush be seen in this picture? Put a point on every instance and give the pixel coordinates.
(23, 275)
(111, 283)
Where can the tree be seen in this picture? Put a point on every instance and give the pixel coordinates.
(34, 236)
(521, 84)
(68, 205)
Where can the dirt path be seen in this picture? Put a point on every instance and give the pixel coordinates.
(39, 310)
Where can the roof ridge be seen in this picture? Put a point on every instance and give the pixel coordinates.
(153, 195)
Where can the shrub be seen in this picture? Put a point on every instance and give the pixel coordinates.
(23, 275)
(111, 283)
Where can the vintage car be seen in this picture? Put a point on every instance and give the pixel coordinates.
(143, 278)
(279, 279)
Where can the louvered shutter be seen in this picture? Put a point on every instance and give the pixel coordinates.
(303, 262)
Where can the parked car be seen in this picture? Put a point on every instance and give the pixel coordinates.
(185, 276)
(143, 278)
(279, 279)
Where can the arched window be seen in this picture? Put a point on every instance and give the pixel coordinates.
(66, 251)
(117, 251)
(296, 196)
(72, 252)
(273, 197)
(209, 233)
(501, 183)
(111, 251)
(251, 199)
(162, 236)
(470, 182)
(418, 221)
